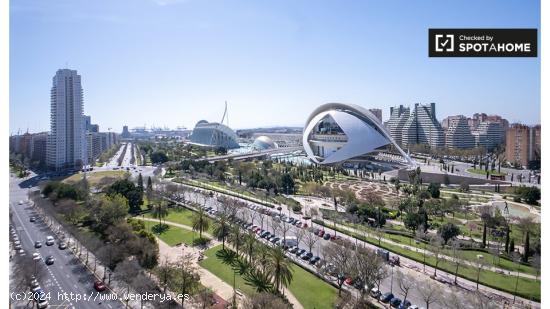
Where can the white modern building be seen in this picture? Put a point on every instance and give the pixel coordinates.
(264, 143)
(337, 132)
(213, 134)
(67, 141)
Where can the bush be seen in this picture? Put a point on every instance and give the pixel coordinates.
(200, 241)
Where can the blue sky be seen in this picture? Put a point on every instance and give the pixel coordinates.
(175, 62)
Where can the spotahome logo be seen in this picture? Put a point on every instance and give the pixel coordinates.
(482, 42)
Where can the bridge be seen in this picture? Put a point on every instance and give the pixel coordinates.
(255, 154)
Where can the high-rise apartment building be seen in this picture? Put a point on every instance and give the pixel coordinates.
(523, 144)
(422, 127)
(398, 117)
(377, 113)
(488, 135)
(458, 135)
(67, 140)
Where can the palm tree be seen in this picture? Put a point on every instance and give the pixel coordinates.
(221, 229)
(278, 268)
(199, 222)
(235, 235)
(159, 211)
(259, 280)
(249, 243)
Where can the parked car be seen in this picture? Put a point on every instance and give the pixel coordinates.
(395, 302)
(50, 260)
(36, 256)
(32, 219)
(307, 256)
(326, 236)
(300, 252)
(348, 281)
(62, 246)
(314, 260)
(386, 297)
(49, 241)
(99, 286)
(38, 244)
(375, 292)
(293, 249)
(405, 305)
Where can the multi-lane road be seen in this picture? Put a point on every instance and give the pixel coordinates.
(67, 275)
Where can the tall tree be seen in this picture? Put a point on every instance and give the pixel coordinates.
(279, 268)
(199, 221)
(140, 182)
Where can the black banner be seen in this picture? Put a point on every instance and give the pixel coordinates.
(482, 42)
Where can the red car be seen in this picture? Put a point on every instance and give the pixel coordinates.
(348, 281)
(99, 286)
(321, 233)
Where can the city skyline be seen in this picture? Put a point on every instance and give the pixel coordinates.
(272, 63)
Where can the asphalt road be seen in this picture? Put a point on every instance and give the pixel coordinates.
(67, 274)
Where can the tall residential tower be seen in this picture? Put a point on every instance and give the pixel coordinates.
(67, 141)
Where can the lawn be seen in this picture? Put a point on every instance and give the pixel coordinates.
(310, 291)
(182, 216)
(223, 271)
(174, 235)
(96, 177)
(483, 172)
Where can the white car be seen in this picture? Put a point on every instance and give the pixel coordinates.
(36, 256)
(49, 240)
(20, 202)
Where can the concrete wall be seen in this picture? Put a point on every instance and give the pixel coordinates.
(403, 175)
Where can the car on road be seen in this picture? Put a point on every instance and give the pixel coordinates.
(32, 219)
(99, 286)
(62, 246)
(50, 260)
(49, 241)
(34, 284)
(38, 244)
(300, 252)
(386, 297)
(395, 302)
(314, 260)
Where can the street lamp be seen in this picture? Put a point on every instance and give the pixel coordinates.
(391, 282)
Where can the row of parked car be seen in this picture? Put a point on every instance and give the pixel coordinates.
(392, 300)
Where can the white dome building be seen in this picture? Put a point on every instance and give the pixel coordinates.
(263, 143)
(337, 132)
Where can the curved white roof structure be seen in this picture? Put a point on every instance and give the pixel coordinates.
(213, 134)
(336, 132)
